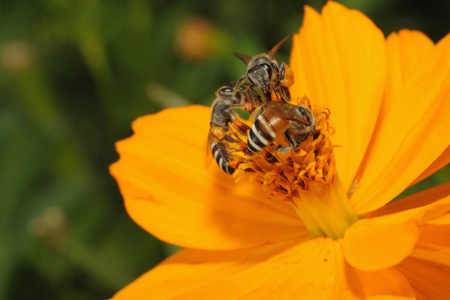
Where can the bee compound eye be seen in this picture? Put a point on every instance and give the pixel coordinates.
(274, 67)
(268, 71)
(301, 110)
(250, 78)
(225, 91)
(268, 68)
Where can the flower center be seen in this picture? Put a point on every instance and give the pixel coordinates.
(304, 176)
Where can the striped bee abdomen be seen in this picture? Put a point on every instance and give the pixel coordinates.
(222, 156)
(261, 135)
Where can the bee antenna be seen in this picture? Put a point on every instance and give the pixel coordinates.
(238, 84)
(271, 86)
(277, 47)
(244, 57)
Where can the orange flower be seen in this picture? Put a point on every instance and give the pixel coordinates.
(389, 102)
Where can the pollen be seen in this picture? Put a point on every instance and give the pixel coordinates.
(283, 174)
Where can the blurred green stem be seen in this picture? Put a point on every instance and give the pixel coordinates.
(39, 100)
(94, 53)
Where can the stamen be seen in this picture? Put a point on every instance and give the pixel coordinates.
(295, 168)
(305, 177)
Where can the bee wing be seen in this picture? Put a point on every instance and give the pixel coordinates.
(207, 154)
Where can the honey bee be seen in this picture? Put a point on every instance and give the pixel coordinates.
(222, 113)
(264, 73)
(273, 119)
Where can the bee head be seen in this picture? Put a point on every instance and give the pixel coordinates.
(305, 115)
(225, 92)
(262, 71)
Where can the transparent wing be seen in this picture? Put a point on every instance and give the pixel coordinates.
(207, 154)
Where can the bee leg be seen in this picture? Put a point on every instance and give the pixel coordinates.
(286, 75)
(253, 102)
(240, 103)
(270, 158)
(267, 96)
(259, 100)
(294, 143)
(238, 84)
(260, 111)
(286, 80)
(282, 152)
(285, 94)
(283, 149)
(256, 99)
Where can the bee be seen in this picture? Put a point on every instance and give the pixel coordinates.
(274, 119)
(222, 113)
(264, 73)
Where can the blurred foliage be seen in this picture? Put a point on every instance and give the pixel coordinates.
(74, 75)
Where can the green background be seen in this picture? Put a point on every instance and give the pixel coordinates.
(74, 75)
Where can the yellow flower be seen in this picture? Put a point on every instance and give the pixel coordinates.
(389, 102)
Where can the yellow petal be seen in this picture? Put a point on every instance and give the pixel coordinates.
(381, 242)
(444, 219)
(339, 61)
(415, 200)
(372, 244)
(311, 270)
(405, 50)
(428, 266)
(384, 284)
(439, 163)
(412, 132)
(169, 192)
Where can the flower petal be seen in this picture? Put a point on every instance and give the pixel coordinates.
(428, 266)
(169, 192)
(405, 50)
(414, 127)
(311, 270)
(384, 284)
(381, 242)
(372, 244)
(415, 200)
(439, 163)
(339, 61)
